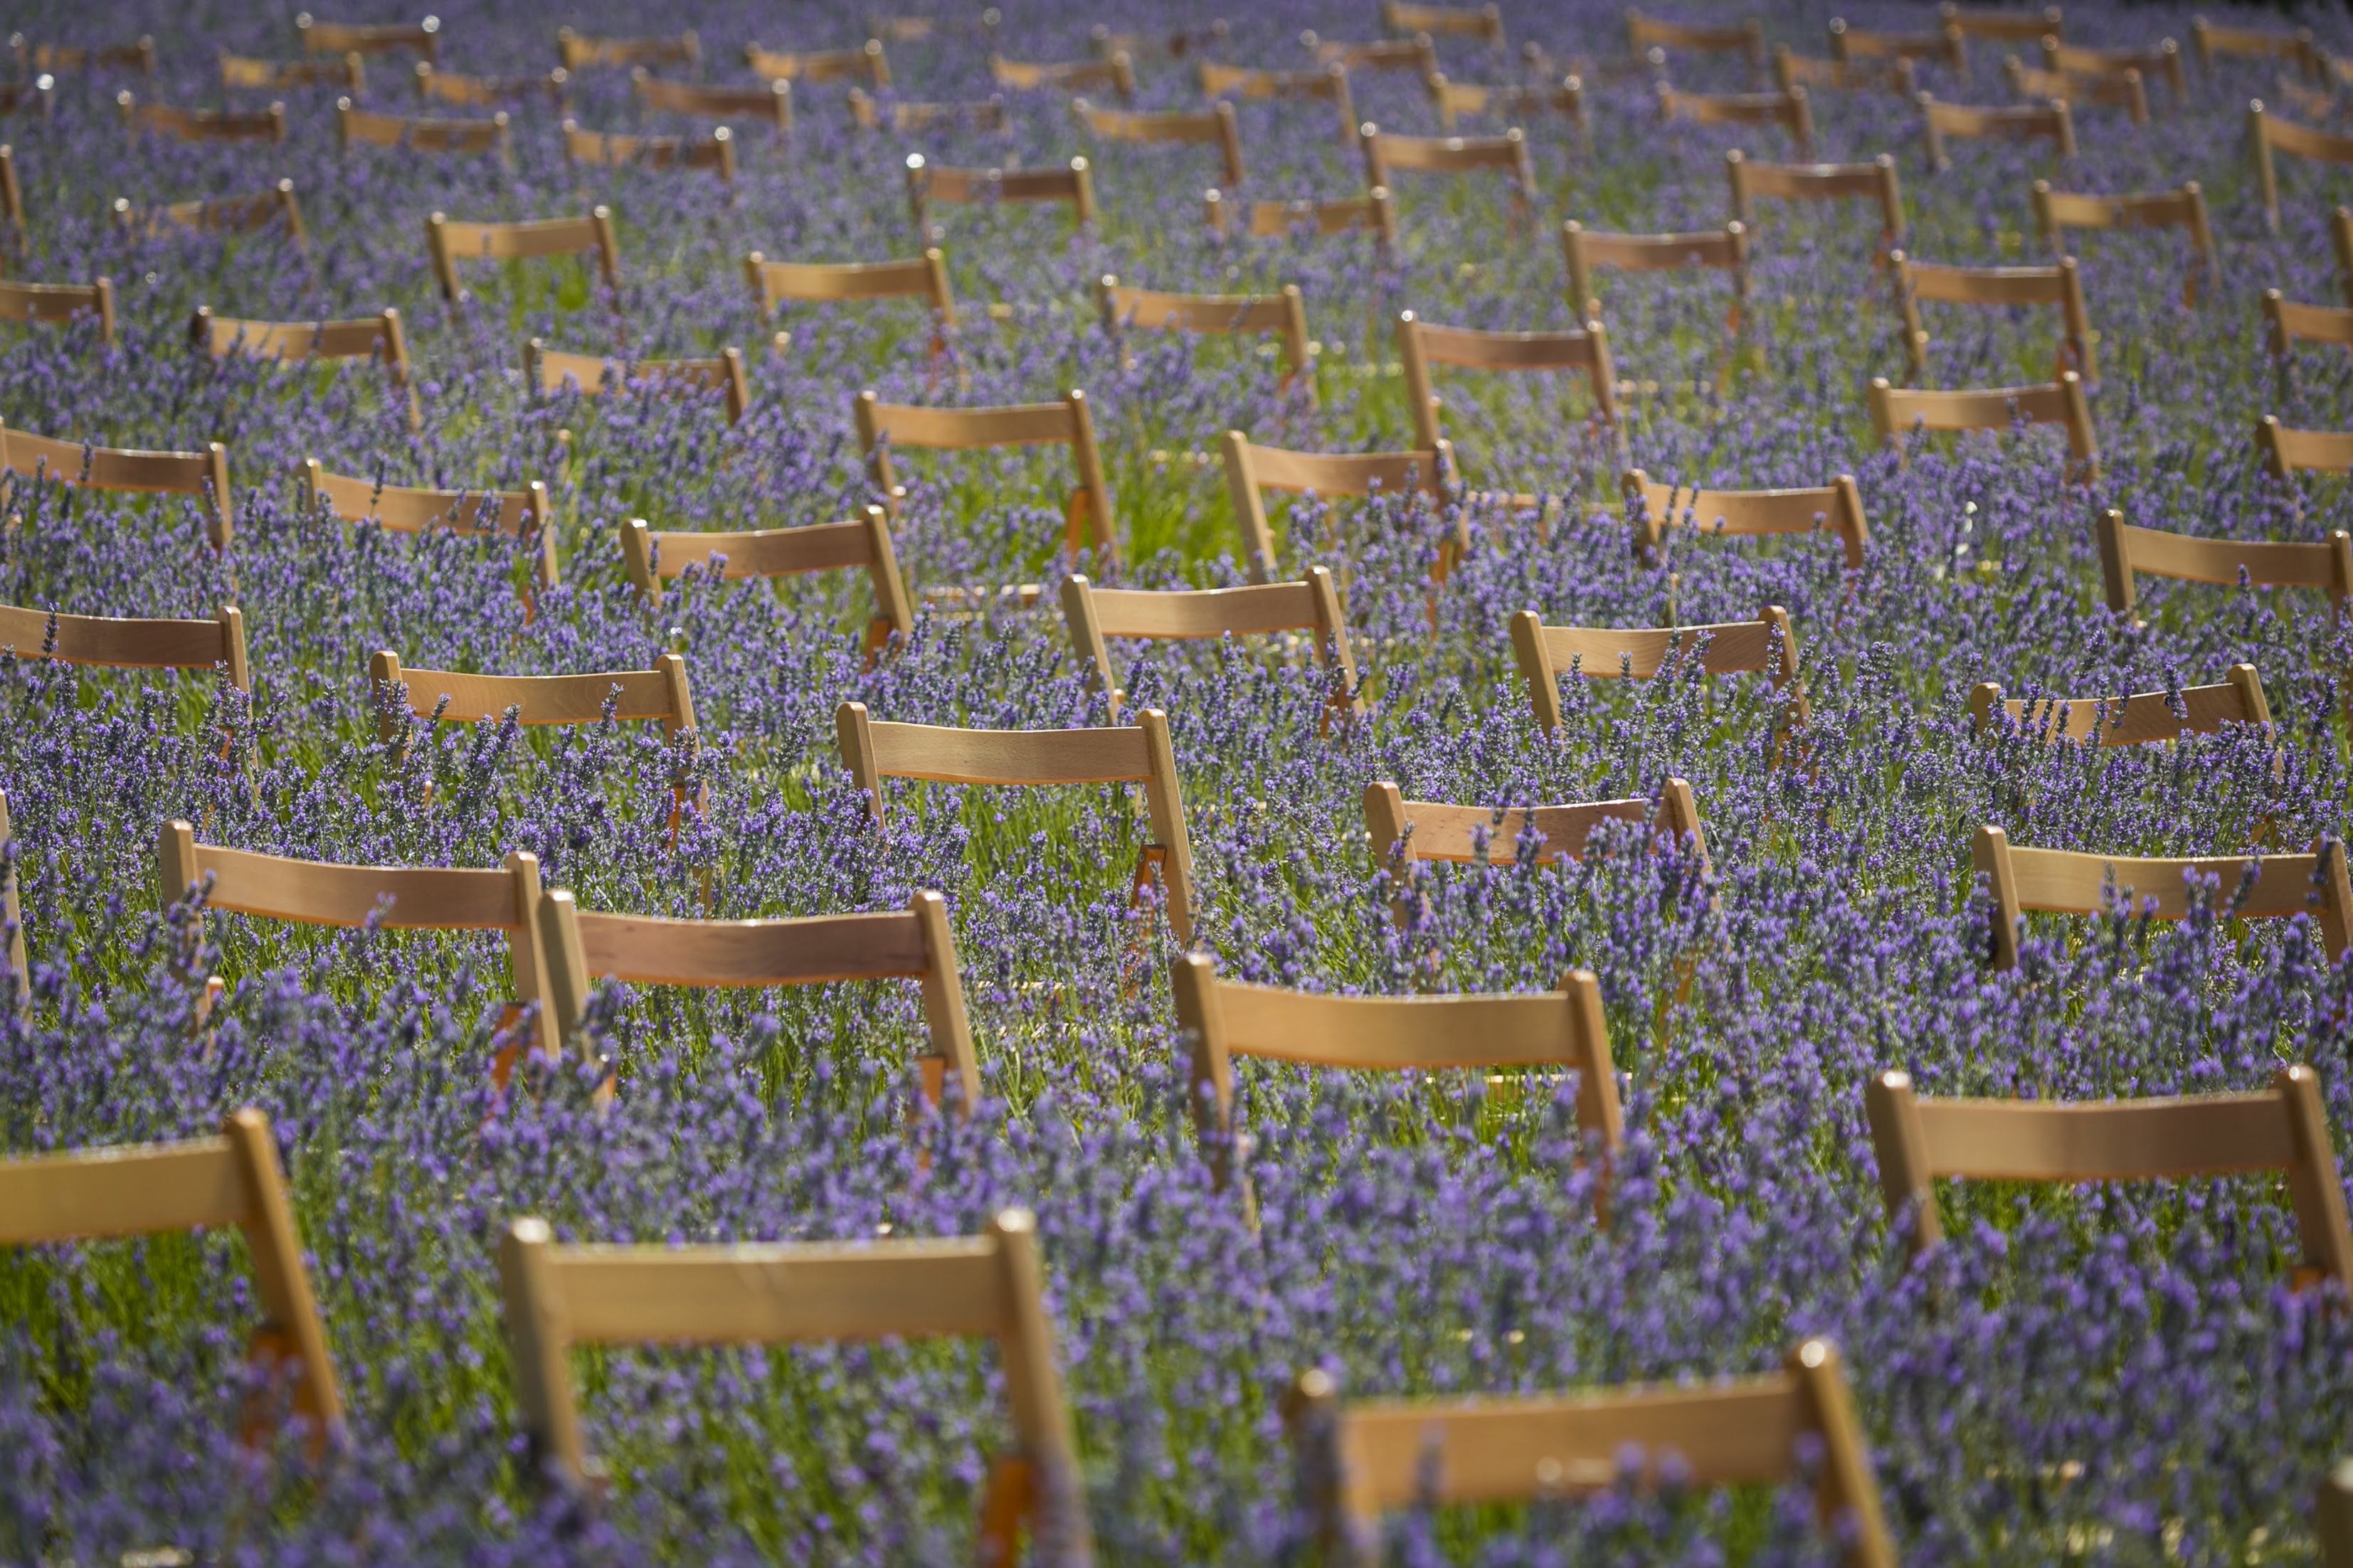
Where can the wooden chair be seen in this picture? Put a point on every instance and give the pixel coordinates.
(1116, 76)
(203, 475)
(1326, 84)
(2127, 549)
(1945, 122)
(1894, 76)
(1835, 507)
(2112, 91)
(1766, 646)
(201, 1183)
(771, 103)
(319, 38)
(245, 72)
(2213, 43)
(2000, 23)
(201, 124)
(1214, 127)
(1404, 18)
(605, 149)
(449, 696)
(59, 302)
(593, 376)
(2286, 323)
(2268, 135)
(1789, 111)
(1087, 517)
(1943, 47)
(450, 241)
(1373, 213)
(130, 642)
(1561, 1029)
(1406, 830)
(423, 133)
(915, 943)
(1416, 55)
(1723, 250)
(221, 215)
(1393, 1454)
(1421, 345)
(378, 338)
(523, 514)
(987, 1287)
(2076, 60)
(2140, 718)
(1120, 753)
(867, 63)
(1453, 99)
(1311, 605)
(1385, 152)
(928, 183)
(578, 51)
(2002, 287)
(2067, 882)
(1251, 470)
(2288, 453)
(923, 278)
(1744, 39)
(2058, 212)
(983, 116)
(1283, 315)
(1872, 182)
(1920, 1141)
(1167, 44)
(504, 897)
(493, 91)
(139, 54)
(1895, 410)
(654, 557)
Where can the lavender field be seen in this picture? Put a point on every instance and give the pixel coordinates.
(2122, 1373)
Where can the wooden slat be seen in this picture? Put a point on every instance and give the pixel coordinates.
(511, 241)
(1742, 511)
(356, 339)
(2124, 1139)
(109, 467)
(2197, 559)
(1018, 425)
(2068, 882)
(1434, 1032)
(1505, 351)
(1987, 285)
(407, 509)
(1444, 832)
(767, 551)
(1151, 308)
(845, 279)
(779, 1295)
(1205, 613)
(414, 898)
(1011, 756)
(127, 642)
(1733, 646)
(1344, 473)
(646, 950)
(95, 1192)
(543, 699)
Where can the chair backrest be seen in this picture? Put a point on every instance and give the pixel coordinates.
(201, 474)
(395, 898)
(2268, 135)
(1836, 508)
(923, 278)
(1403, 18)
(1945, 45)
(593, 375)
(1385, 152)
(1212, 127)
(1746, 38)
(139, 54)
(928, 183)
(1283, 314)
(201, 1183)
(1787, 108)
(202, 124)
(1453, 99)
(1160, 44)
(1919, 1141)
(1725, 250)
(2002, 23)
(2297, 49)
(2066, 881)
(1116, 76)
(984, 115)
(2076, 60)
(467, 699)
(606, 149)
(1943, 122)
(2002, 287)
(1417, 54)
(1421, 345)
(2114, 91)
(222, 215)
(379, 338)
(1251, 470)
(1561, 1029)
(1491, 836)
(1311, 605)
(492, 91)
(60, 302)
(867, 63)
(368, 37)
(2287, 323)
(987, 1287)
(1119, 754)
(452, 242)
(580, 50)
(519, 513)
(2287, 452)
(1326, 83)
(1895, 410)
(2127, 549)
(1765, 646)
(584, 946)
(2135, 719)
(1873, 182)
(131, 642)
(1373, 213)
(245, 71)
(1088, 518)
(2058, 212)
(1888, 74)
(1388, 1455)
(771, 102)
(654, 556)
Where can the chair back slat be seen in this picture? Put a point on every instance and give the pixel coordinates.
(657, 693)
(130, 642)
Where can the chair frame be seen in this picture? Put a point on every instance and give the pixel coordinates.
(1787, 109)
(1945, 47)
(449, 241)
(1252, 470)
(130, 642)
(379, 338)
(1945, 122)
(1374, 212)
(2268, 135)
(1897, 410)
(2057, 211)
(2002, 287)
(1421, 344)
(519, 514)
(234, 215)
(771, 104)
(1894, 76)
(928, 183)
(612, 149)
(654, 556)
(1766, 646)
(1312, 606)
(1722, 250)
(1212, 127)
(2119, 90)
(1403, 831)
(547, 370)
(923, 278)
(1088, 518)
(2288, 452)
(357, 127)
(2076, 60)
(1120, 753)
(1744, 39)
(1875, 181)
(1284, 315)
(2137, 718)
(1328, 82)
(202, 474)
(1388, 152)
(2127, 549)
(60, 302)
(1836, 508)
(1453, 99)
(200, 125)
(2287, 323)
(2297, 49)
